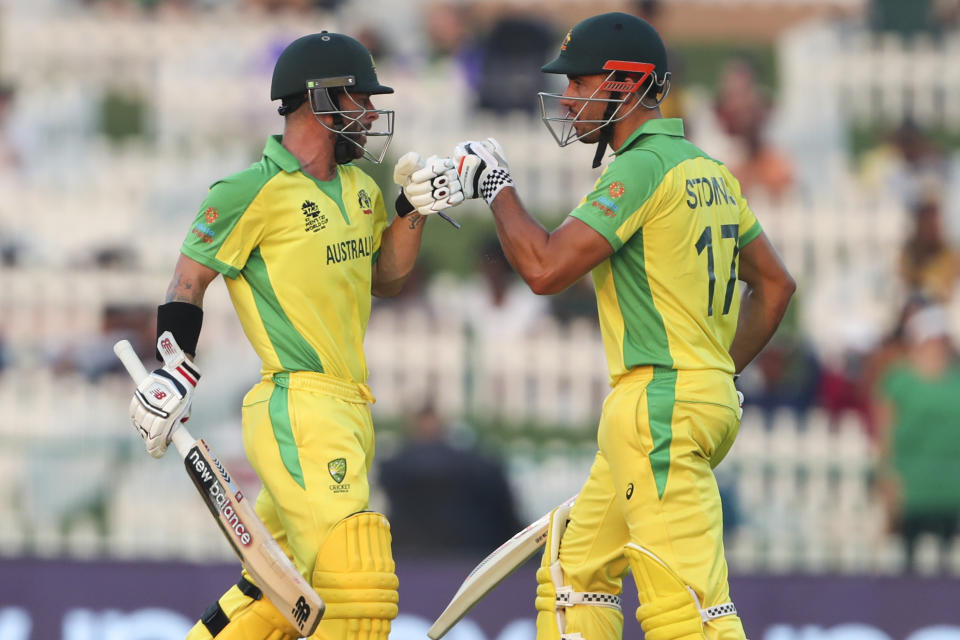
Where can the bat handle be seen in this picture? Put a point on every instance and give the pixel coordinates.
(131, 361)
(181, 438)
(448, 219)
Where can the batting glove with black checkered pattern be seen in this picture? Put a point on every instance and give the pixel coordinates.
(482, 167)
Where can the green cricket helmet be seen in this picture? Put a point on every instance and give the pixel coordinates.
(617, 44)
(318, 69)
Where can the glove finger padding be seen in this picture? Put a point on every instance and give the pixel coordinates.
(434, 186)
(406, 166)
(482, 168)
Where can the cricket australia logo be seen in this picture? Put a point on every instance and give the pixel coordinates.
(364, 201)
(338, 471)
(313, 219)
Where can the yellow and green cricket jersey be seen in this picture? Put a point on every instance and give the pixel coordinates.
(297, 257)
(676, 220)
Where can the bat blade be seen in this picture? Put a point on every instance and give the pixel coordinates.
(259, 553)
(491, 571)
(251, 541)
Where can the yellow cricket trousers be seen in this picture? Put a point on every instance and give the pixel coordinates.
(660, 435)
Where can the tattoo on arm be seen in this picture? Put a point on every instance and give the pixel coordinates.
(182, 290)
(415, 220)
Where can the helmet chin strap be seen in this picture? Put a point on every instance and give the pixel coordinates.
(606, 134)
(344, 148)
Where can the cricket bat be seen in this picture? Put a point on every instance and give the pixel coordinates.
(491, 571)
(259, 553)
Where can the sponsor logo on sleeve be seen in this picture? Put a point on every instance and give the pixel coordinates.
(204, 232)
(606, 205)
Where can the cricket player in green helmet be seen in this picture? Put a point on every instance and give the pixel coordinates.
(303, 242)
(666, 234)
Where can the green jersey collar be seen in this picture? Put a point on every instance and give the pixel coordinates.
(666, 126)
(279, 154)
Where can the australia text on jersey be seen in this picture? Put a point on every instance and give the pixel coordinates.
(349, 249)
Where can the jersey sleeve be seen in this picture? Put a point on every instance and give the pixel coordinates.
(621, 202)
(226, 228)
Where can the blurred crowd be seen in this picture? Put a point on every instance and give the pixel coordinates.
(900, 382)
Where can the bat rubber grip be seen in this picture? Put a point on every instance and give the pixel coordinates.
(131, 361)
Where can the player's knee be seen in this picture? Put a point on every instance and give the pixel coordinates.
(240, 614)
(355, 576)
(669, 609)
(562, 612)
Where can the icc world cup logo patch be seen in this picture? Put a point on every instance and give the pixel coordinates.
(211, 214)
(313, 220)
(616, 189)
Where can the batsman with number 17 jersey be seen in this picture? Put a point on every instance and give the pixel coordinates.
(666, 234)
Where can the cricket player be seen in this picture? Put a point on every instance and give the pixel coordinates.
(666, 234)
(302, 240)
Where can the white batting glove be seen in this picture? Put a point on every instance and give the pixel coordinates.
(429, 185)
(162, 401)
(482, 167)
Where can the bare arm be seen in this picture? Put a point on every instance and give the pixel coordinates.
(769, 288)
(398, 252)
(190, 281)
(548, 262)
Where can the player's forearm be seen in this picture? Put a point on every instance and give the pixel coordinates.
(398, 253)
(760, 315)
(525, 242)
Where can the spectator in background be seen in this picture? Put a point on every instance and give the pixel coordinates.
(928, 264)
(889, 351)
(444, 499)
(919, 419)
(764, 171)
(786, 374)
(577, 301)
(92, 356)
(509, 57)
(740, 103)
(499, 306)
(906, 166)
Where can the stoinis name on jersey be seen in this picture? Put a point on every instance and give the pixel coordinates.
(349, 250)
(708, 191)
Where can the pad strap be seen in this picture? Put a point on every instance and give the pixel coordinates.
(567, 597)
(249, 589)
(714, 612)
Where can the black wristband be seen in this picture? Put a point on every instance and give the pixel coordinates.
(402, 205)
(183, 320)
